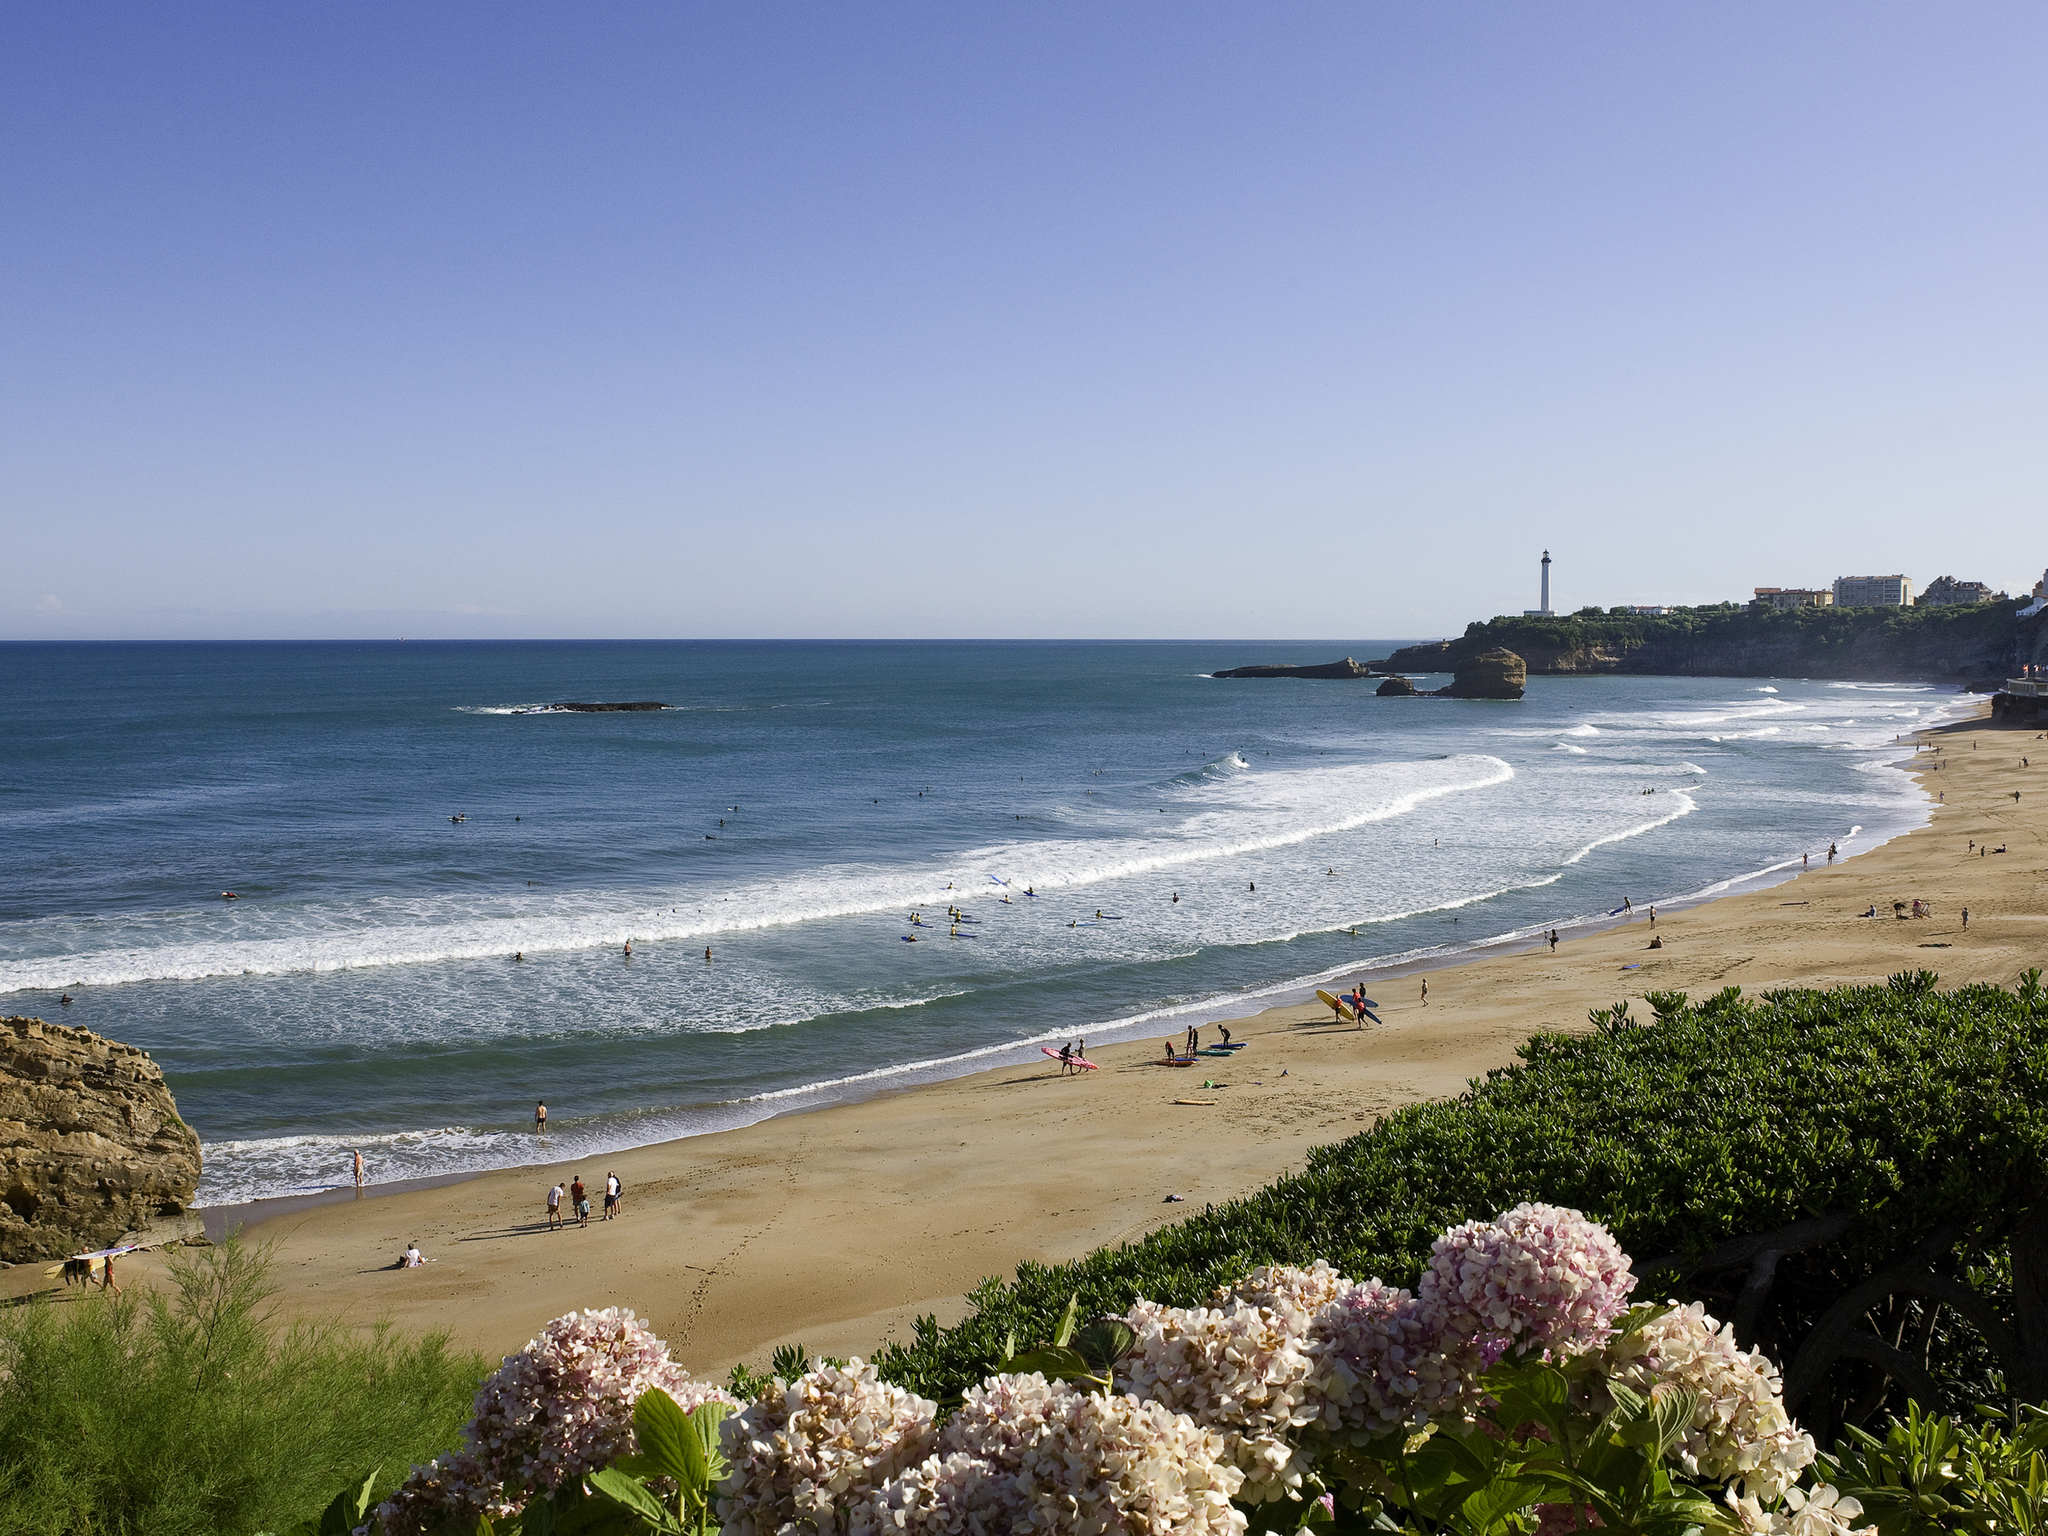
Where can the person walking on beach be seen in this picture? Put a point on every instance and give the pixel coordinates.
(1653, 914)
(611, 1196)
(1553, 941)
(1966, 919)
(1831, 853)
(359, 1168)
(579, 1197)
(555, 1206)
(1425, 991)
(540, 1118)
(1066, 1061)
(107, 1277)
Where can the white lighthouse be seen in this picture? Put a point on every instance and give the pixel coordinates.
(1544, 611)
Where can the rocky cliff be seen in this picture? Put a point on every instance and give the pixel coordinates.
(1958, 644)
(91, 1145)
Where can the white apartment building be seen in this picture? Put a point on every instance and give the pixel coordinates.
(1873, 592)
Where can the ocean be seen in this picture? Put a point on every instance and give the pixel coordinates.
(790, 809)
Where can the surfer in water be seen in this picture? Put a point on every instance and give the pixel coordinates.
(1176, 898)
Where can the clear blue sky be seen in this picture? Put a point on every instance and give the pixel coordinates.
(1042, 320)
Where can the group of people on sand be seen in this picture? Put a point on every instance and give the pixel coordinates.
(578, 1198)
(1074, 1057)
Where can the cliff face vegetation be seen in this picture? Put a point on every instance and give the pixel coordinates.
(1958, 644)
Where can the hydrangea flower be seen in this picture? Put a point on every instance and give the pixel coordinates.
(1740, 1432)
(1026, 1455)
(807, 1451)
(1379, 1363)
(1241, 1369)
(561, 1407)
(1540, 1277)
(1823, 1510)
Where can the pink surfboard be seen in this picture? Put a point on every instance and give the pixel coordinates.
(1072, 1061)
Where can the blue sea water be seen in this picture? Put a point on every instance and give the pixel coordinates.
(790, 809)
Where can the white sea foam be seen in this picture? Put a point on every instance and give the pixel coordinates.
(1245, 813)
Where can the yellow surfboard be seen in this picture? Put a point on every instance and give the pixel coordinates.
(1337, 1005)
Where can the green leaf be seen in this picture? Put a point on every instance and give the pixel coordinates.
(1671, 1410)
(1064, 1333)
(1048, 1362)
(1503, 1496)
(1104, 1342)
(631, 1493)
(668, 1441)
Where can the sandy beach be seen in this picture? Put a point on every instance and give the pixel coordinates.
(837, 1228)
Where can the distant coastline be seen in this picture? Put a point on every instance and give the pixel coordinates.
(1975, 646)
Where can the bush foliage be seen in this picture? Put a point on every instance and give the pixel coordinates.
(1842, 1173)
(191, 1414)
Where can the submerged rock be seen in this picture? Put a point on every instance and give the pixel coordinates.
(1493, 674)
(580, 707)
(91, 1146)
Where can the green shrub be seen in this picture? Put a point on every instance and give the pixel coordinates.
(193, 1413)
(1931, 1476)
(1842, 1174)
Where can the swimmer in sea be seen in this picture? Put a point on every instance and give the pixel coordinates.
(518, 954)
(229, 896)
(64, 1001)
(1176, 898)
(629, 949)
(707, 954)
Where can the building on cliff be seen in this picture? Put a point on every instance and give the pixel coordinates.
(1873, 592)
(1947, 592)
(1795, 597)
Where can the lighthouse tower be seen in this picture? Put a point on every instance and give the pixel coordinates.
(1544, 611)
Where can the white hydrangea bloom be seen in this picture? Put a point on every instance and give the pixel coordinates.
(1240, 1369)
(1287, 1286)
(1030, 1456)
(1819, 1511)
(805, 1452)
(1740, 1432)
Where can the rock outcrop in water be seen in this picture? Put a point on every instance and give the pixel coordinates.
(91, 1146)
(1396, 688)
(1346, 670)
(1494, 674)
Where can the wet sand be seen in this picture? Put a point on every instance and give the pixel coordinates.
(838, 1227)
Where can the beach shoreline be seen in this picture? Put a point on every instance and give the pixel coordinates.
(837, 1227)
(1230, 1009)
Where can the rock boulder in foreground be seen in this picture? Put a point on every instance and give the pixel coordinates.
(1492, 674)
(91, 1146)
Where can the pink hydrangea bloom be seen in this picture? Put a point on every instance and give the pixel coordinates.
(561, 1407)
(1379, 1363)
(1540, 1277)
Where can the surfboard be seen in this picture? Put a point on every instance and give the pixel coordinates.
(1335, 1005)
(1371, 1015)
(1072, 1061)
(1179, 1061)
(1198, 1103)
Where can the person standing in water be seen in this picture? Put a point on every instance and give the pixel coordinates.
(540, 1118)
(359, 1168)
